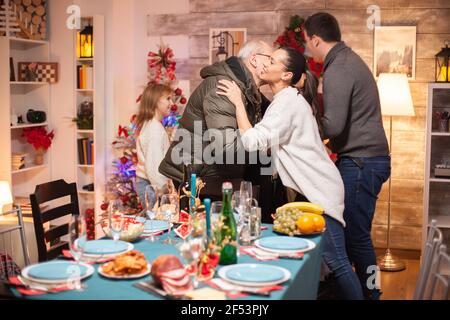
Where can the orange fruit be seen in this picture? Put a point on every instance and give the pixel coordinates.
(305, 224)
(319, 222)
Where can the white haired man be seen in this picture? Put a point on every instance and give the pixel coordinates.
(213, 111)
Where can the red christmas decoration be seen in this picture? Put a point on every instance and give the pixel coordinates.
(294, 37)
(124, 160)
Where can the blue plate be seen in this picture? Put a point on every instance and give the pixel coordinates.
(283, 243)
(105, 247)
(254, 273)
(57, 270)
(155, 225)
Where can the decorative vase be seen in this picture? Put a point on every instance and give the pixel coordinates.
(443, 125)
(39, 156)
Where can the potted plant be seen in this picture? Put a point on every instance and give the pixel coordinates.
(40, 140)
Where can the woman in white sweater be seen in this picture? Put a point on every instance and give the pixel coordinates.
(153, 141)
(290, 130)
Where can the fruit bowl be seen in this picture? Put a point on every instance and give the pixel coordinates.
(292, 221)
(132, 229)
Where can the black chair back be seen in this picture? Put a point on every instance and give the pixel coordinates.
(45, 193)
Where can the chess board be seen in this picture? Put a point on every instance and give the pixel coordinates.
(45, 71)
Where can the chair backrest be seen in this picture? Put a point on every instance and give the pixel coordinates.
(45, 193)
(434, 240)
(438, 288)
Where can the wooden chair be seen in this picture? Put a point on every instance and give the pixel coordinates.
(439, 287)
(434, 240)
(45, 193)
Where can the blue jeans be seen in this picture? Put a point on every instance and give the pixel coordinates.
(335, 256)
(141, 184)
(363, 179)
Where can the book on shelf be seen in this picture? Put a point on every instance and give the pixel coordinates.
(85, 151)
(85, 77)
(18, 161)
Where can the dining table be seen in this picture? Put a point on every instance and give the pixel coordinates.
(303, 284)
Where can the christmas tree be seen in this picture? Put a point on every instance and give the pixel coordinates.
(121, 185)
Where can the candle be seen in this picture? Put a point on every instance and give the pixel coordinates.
(207, 203)
(193, 189)
(444, 72)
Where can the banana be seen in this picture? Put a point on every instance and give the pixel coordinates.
(303, 206)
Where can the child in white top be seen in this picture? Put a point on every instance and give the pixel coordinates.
(153, 141)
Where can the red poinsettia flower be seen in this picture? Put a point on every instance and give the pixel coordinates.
(38, 137)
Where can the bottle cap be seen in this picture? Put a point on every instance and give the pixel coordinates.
(227, 186)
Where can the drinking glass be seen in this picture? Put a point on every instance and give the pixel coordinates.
(169, 209)
(216, 211)
(246, 187)
(197, 245)
(151, 202)
(77, 243)
(116, 219)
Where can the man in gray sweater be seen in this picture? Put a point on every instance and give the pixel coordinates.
(352, 121)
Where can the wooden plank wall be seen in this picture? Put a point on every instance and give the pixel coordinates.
(265, 19)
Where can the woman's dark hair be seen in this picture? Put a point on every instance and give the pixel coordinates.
(323, 25)
(310, 93)
(296, 63)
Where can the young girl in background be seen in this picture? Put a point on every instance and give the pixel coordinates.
(152, 142)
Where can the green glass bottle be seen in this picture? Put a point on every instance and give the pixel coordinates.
(228, 233)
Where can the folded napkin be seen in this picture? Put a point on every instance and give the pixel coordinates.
(263, 255)
(235, 291)
(29, 288)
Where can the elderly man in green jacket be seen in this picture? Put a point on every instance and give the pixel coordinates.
(209, 122)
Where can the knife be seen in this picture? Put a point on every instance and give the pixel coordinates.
(145, 286)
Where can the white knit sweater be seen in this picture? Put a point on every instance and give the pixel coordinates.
(152, 145)
(290, 130)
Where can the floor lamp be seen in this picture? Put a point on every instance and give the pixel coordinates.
(395, 98)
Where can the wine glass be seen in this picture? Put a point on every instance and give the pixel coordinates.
(246, 188)
(197, 245)
(77, 244)
(116, 219)
(151, 202)
(169, 209)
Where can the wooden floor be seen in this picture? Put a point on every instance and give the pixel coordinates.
(401, 285)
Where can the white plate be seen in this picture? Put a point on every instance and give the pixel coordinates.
(223, 274)
(311, 246)
(129, 276)
(89, 272)
(104, 256)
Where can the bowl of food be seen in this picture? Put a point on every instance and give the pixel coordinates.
(132, 228)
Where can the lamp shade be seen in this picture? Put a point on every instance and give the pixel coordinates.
(5, 194)
(395, 95)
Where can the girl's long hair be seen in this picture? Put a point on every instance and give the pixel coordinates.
(149, 103)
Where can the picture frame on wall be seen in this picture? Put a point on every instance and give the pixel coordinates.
(225, 42)
(395, 50)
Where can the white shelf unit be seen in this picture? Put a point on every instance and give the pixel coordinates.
(96, 172)
(17, 97)
(436, 189)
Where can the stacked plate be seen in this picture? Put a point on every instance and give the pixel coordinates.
(97, 250)
(155, 226)
(56, 273)
(254, 275)
(285, 245)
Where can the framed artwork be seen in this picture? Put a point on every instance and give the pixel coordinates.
(225, 42)
(395, 50)
(38, 72)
